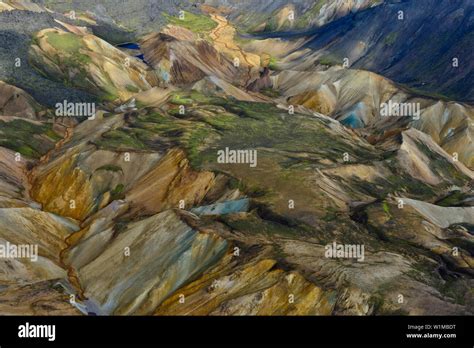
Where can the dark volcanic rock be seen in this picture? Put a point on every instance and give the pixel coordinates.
(16, 31)
(417, 50)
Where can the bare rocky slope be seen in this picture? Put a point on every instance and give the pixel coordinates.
(434, 59)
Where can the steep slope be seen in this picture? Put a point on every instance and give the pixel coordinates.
(389, 40)
(89, 63)
(269, 16)
(181, 58)
(140, 16)
(323, 190)
(356, 98)
(280, 248)
(16, 102)
(17, 27)
(28, 284)
(144, 15)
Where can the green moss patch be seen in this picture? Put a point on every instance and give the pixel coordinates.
(120, 139)
(29, 139)
(117, 192)
(66, 42)
(194, 22)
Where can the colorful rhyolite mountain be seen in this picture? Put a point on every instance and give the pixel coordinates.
(134, 214)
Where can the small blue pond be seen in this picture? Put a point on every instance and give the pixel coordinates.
(130, 46)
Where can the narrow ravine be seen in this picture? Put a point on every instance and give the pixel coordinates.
(228, 43)
(31, 175)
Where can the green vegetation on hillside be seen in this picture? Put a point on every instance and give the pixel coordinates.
(194, 22)
(29, 139)
(303, 21)
(65, 42)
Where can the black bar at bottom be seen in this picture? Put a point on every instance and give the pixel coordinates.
(242, 330)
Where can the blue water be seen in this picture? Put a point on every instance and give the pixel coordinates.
(352, 121)
(141, 57)
(133, 46)
(130, 46)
